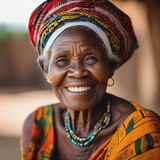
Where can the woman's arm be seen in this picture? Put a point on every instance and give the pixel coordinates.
(26, 133)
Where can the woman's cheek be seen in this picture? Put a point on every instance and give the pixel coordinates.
(56, 76)
(101, 73)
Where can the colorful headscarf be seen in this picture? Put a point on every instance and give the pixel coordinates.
(112, 25)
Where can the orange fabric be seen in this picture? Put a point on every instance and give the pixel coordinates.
(137, 138)
(42, 138)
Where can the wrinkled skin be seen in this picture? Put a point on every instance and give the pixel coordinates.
(77, 58)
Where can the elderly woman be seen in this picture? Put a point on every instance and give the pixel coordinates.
(80, 44)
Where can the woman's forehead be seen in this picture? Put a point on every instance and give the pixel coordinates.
(77, 43)
(78, 34)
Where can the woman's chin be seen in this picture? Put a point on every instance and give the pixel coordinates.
(80, 100)
(78, 106)
(81, 103)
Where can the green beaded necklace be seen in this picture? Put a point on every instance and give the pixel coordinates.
(103, 123)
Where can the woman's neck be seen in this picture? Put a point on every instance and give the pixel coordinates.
(83, 122)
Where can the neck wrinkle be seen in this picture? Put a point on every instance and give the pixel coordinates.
(83, 122)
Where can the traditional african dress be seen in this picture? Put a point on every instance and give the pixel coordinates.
(138, 138)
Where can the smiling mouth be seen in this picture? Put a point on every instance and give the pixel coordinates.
(78, 89)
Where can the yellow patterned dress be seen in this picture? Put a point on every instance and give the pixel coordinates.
(138, 138)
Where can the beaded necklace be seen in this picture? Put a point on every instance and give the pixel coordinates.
(103, 123)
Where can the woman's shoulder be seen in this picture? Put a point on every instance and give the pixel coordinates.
(120, 109)
(138, 134)
(39, 114)
(38, 118)
(124, 110)
(26, 133)
(135, 113)
(43, 112)
(143, 117)
(121, 104)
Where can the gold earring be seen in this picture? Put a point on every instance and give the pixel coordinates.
(110, 84)
(48, 79)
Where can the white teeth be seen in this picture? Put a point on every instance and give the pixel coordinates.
(78, 89)
(81, 89)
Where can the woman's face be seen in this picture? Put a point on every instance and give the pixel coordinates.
(78, 68)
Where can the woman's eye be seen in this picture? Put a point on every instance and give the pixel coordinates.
(62, 61)
(90, 59)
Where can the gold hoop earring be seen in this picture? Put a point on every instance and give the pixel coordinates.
(48, 80)
(110, 84)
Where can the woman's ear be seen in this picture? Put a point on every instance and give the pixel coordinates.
(42, 62)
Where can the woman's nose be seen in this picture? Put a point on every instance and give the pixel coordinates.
(77, 70)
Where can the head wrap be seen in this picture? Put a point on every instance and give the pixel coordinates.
(111, 24)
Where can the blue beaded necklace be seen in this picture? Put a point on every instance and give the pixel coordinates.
(103, 123)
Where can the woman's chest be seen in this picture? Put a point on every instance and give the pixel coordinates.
(68, 152)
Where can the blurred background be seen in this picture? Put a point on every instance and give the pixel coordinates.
(23, 87)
